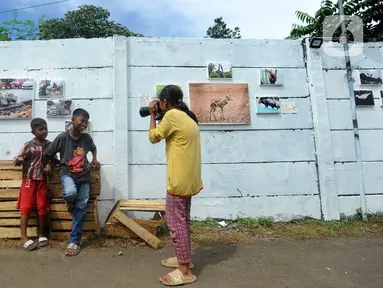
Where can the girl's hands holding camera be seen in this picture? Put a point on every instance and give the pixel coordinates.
(153, 106)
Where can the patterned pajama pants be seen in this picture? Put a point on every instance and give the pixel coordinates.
(177, 214)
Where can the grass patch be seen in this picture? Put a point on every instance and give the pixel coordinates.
(244, 230)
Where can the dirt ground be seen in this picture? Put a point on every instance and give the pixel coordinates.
(237, 111)
(280, 263)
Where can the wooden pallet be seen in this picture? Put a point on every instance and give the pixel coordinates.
(60, 220)
(118, 224)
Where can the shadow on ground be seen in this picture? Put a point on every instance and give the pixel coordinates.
(208, 255)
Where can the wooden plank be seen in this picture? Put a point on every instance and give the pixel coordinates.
(118, 230)
(95, 215)
(8, 165)
(14, 214)
(62, 201)
(10, 183)
(54, 177)
(9, 193)
(68, 216)
(55, 190)
(67, 225)
(62, 235)
(61, 207)
(138, 229)
(10, 175)
(16, 222)
(8, 205)
(141, 202)
(147, 209)
(11, 233)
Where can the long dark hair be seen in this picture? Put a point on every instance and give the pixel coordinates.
(174, 95)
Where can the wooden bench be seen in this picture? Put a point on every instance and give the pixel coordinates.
(60, 220)
(118, 224)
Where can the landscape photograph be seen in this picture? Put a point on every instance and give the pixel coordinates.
(16, 98)
(220, 103)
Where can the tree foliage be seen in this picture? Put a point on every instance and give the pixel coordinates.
(19, 30)
(370, 11)
(88, 21)
(220, 30)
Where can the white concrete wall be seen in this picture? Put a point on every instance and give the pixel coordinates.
(87, 69)
(370, 122)
(277, 166)
(266, 168)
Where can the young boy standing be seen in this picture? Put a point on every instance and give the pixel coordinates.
(33, 190)
(75, 170)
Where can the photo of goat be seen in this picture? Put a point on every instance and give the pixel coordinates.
(370, 77)
(271, 77)
(219, 70)
(364, 98)
(221, 103)
(266, 105)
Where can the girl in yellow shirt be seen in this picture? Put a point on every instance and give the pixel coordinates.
(179, 127)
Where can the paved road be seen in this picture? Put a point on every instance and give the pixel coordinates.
(340, 263)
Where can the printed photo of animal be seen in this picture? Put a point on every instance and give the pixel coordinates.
(268, 105)
(221, 103)
(270, 77)
(364, 97)
(219, 70)
(368, 77)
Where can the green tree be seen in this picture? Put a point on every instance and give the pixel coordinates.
(370, 11)
(220, 31)
(19, 30)
(88, 21)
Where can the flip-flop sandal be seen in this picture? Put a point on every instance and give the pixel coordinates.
(172, 262)
(42, 242)
(72, 247)
(29, 245)
(178, 279)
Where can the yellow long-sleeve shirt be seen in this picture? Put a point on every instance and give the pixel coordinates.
(183, 152)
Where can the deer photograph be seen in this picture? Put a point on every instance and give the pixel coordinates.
(220, 103)
(270, 77)
(364, 98)
(219, 70)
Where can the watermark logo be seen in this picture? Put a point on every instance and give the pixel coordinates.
(332, 27)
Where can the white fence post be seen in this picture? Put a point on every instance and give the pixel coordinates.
(323, 141)
(121, 117)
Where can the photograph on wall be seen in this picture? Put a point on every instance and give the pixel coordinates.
(145, 99)
(270, 77)
(16, 98)
(267, 105)
(160, 87)
(59, 108)
(219, 70)
(381, 97)
(370, 77)
(289, 108)
(51, 87)
(364, 98)
(68, 127)
(220, 103)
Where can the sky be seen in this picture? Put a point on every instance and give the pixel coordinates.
(257, 19)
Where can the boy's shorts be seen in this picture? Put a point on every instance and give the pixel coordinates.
(33, 193)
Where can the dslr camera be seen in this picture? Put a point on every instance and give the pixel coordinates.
(144, 111)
